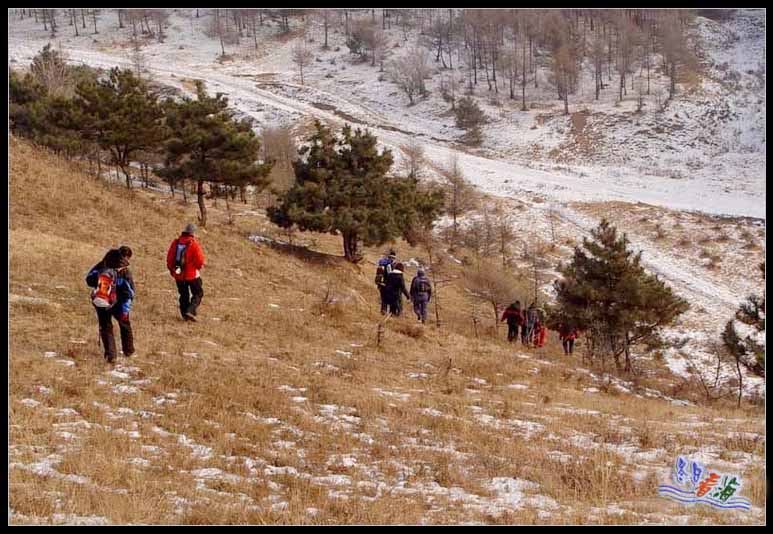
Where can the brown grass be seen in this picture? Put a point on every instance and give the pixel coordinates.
(207, 392)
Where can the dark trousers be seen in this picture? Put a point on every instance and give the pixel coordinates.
(420, 308)
(394, 305)
(105, 318)
(568, 345)
(512, 331)
(383, 300)
(524, 334)
(191, 293)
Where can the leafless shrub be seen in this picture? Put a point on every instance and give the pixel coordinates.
(409, 73)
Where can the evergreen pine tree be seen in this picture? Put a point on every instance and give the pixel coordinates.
(122, 115)
(606, 292)
(342, 185)
(208, 145)
(747, 350)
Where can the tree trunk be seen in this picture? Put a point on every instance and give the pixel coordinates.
(94, 18)
(351, 252)
(127, 175)
(120, 19)
(202, 206)
(627, 349)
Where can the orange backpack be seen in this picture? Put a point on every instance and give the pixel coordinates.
(105, 295)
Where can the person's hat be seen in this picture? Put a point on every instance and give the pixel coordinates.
(190, 229)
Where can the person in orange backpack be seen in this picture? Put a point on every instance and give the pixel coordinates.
(112, 295)
(184, 260)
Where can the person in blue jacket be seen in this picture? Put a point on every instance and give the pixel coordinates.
(117, 261)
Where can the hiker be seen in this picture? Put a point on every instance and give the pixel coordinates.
(532, 320)
(421, 293)
(384, 268)
(540, 333)
(567, 334)
(514, 317)
(184, 261)
(395, 289)
(540, 330)
(112, 298)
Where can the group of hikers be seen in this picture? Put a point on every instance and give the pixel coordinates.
(114, 291)
(533, 329)
(530, 321)
(391, 286)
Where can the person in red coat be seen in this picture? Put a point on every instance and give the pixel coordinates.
(514, 317)
(184, 260)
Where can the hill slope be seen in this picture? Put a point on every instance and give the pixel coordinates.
(278, 407)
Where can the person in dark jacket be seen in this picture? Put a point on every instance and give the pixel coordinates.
(184, 259)
(421, 293)
(568, 334)
(118, 260)
(382, 270)
(514, 317)
(395, 289)
(531, 323)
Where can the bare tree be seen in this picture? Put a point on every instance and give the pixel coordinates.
(379, 46)
(409, 72)
(137, 57)
(597, 54)
(461, 196)
(504, 230)
(674, 46)
(302, 56)
(94, 17)
(324, 15)
(160, 18)
(278, 146)
(49, 68)
(565, 70)
(220, 28)
(413, 161)
(492, 285)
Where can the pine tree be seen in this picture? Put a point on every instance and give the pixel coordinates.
(746, 350)
(122, 115)
(606, 292)
(342, 186)
(209, 145)
(46, 119)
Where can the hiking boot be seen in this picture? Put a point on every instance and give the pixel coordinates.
(190, 317)
(110, 358)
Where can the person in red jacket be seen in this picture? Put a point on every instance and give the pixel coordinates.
(184, 261)
(514, 317)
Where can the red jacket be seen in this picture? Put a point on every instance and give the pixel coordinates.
(514, 314)
(193, 261)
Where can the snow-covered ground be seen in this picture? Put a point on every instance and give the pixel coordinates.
(705, 153)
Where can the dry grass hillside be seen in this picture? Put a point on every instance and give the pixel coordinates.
(278, 407)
